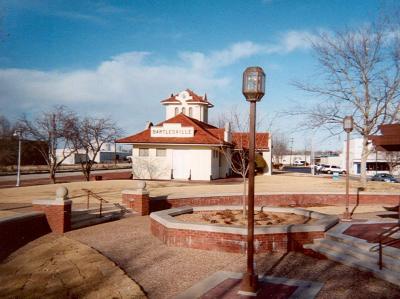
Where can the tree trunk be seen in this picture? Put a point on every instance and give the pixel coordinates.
(364, 157)
(87, 174)
(53, 174)
(244, 198)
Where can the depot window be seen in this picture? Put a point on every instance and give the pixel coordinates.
(161, 152)
(143, 152)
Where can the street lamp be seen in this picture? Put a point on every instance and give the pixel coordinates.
(18, 134)
(348, 124)
(253, 89)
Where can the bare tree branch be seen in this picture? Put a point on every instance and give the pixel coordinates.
(360, 76)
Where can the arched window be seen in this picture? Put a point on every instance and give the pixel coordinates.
(183, 110)
(176, 110)
(190, 111)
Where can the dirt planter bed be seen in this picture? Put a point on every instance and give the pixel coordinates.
(229, 238)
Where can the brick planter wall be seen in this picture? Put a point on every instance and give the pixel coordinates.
(159, 203)
(282, 238)
(58, 213)
(235, 243)
(138, 200)
(16, 231)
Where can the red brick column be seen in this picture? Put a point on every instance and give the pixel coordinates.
(58, 211)
(138, 200)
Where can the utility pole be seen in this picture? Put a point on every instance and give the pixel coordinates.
(18, 134)
(291, 150)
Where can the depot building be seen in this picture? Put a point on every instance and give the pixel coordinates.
(186, 147)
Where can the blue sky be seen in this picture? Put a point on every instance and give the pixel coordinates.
(120, 58)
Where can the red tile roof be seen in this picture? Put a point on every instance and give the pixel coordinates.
(171, 99)
(241, 140)
(196, 99)
(203, 134)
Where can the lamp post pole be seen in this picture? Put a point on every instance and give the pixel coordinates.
(348, 127)
(18, 134)
(253, 90)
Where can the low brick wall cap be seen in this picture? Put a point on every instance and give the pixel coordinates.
(51, 202)
(21, 217)
(135, 192)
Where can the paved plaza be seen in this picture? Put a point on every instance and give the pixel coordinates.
(54, 266)
(165, 272)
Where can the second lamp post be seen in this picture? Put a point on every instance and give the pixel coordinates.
(253, 89)
(347, 127)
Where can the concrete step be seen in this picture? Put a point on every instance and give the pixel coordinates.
(93, 219)
(362, 244)
(361, 264)
(389, 262)
(94, 214)
(93, 209)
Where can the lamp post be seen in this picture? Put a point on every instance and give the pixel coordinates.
(253, 89)
(347, 127)
(18, 133)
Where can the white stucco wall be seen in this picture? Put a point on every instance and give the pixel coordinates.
(194, 162)
(268, 158)
(199, 112)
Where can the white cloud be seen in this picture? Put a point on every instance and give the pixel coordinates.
(295, 40)
(289, 42)
(125, 87)
(129, 85)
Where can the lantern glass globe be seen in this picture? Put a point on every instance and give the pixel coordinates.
(348, 124)
(253, 86)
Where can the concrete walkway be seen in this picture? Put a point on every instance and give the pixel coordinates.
(164, 272)
(58, 267)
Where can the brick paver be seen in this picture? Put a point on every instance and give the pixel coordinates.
(370, 232)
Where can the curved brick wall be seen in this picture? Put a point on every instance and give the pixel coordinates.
(162, 203)
(16, 231)
(283, 238)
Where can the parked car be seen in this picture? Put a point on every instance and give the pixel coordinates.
(299, 163)
(318, 167)
(332, 169)
(384, 177)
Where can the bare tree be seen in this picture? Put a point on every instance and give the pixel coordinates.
(360, 76)
(279, 146)
(393, 160)
(53, 131)
(8, 142)
(89, 135)
(237, 157)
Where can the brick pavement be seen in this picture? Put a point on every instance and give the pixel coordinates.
(371, 231)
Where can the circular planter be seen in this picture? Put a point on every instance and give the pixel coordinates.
(230, 238)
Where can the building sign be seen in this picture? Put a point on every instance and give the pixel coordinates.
(172, 130)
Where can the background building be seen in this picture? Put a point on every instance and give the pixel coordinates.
(109, 152)
(186, 147)
(377, 161)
